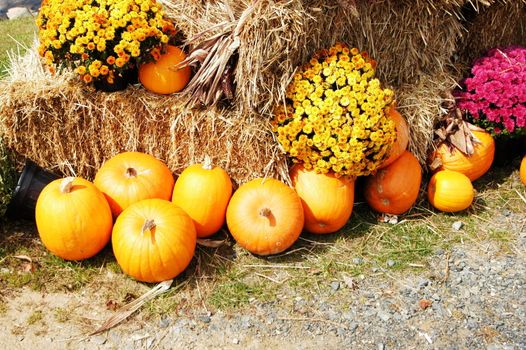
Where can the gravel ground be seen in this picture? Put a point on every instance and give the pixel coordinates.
(472, 297)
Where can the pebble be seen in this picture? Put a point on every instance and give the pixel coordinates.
(381, 346)
(235, 341)
(335, 285)
(357, 261)
(384, 316)
(164, 322)
(390, 263)
(457, 225)
(204, 318)
(353, 326)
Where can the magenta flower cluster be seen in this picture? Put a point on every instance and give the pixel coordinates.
(494, 95)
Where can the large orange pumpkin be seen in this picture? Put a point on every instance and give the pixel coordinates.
(132, 176)
(161, 77)
(153, 240)
(265, 216)
(203, 192)
(73, 218)
(473, 166)
(402, 137)
(450, 191)
(327, 200)
(522, 170)
(394, 189)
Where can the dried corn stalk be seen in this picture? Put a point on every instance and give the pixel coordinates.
(216, 58)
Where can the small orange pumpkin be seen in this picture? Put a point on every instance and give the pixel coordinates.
(153, 240)
(522, 170)
(132, 176)
(473, 166)
(203, 192)
(394, 189)
(327, 200)
(402, 137)
(73, 218)
(450, 191)
(265, 216)
(161, 77)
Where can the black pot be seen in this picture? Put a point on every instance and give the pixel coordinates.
(120, 81)
(30, 183)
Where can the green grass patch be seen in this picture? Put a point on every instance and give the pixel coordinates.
(35, 317)
(16, 34)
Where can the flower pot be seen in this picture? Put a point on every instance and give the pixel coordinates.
(30, 183)
(120, 81)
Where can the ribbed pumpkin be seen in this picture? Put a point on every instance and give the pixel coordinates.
(402, 137)
(265, 216)
(394, 189)
(153, 240)
(473, 166)
(203, 192)
(132, 176)
(73, 218)
(450, 191)
(161, 77)
(522, 170)
(327, 200)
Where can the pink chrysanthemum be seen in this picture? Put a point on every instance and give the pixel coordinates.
(494, 95)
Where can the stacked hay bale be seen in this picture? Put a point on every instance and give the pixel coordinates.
(69, 128)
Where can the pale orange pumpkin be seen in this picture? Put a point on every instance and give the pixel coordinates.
(327, 200)
(132, 176)
(153, 240)
(522, 170)
(73, 218)
(265, 216)
(161, 77)
(450, 191)
(473, 166)
(394, 189)
(402, 137)
(203, 192)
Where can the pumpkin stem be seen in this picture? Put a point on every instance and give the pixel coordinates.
(265, 212)
(131, 172)
(207, 164)
(66, 184)
(149, 225)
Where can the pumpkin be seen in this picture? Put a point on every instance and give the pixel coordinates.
(132, 176)
(265, 216)
(161, 77)
(522, 170)
(473, 166)
(153, 240)
(402, 137)
(203, 192)
(327, 200)
(73, 218)
(450, 191)
(394, 189)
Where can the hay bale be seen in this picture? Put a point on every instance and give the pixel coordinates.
(422, 105)
(71, 129)
(501, 23)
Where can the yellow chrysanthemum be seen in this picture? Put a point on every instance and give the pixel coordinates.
(337, 114)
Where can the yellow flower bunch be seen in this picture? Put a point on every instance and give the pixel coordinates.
(336, 114)
(101, 38)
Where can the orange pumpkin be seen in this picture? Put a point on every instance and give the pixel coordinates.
(203, 192)
(394, 189)
(327, 200)
(161, 77)
(132, 176)
(153, 240)
(522, 170)
(402, 137)
(450, 191)
(73, 218)
(265, 216)
(473, 166)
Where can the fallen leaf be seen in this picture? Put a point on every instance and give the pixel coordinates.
(349, 282)
(425, 303)
(210, 243)
(112, 305)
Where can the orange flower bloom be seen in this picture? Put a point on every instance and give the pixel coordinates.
(87, 78)
(110, 60)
